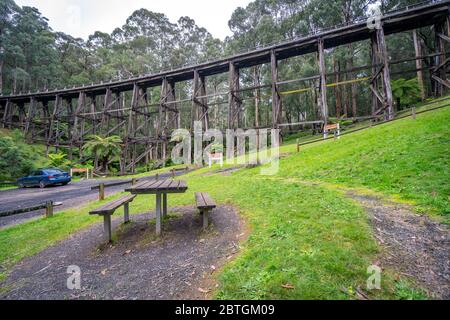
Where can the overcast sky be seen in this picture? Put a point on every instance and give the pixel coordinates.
(80, 18)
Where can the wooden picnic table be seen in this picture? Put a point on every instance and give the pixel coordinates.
(161, 188)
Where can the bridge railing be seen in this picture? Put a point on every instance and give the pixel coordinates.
(250, 49)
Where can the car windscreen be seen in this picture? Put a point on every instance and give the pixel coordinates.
(53, 172)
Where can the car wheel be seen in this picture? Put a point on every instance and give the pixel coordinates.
(21, 185)
(42, 185)
(65, 183)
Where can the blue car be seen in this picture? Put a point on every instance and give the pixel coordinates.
(44, 178)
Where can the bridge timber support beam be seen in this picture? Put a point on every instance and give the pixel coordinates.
(200, 109)
(419, 65)
(6, 114)
(53, 131)
(323, 102)
(382, 99)
(29, 116)
(277, 110)
(234, 100)
(441, 62)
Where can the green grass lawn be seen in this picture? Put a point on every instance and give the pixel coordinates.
(310, 237)
(408, 159)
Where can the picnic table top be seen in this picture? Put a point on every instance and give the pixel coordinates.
(159, 186)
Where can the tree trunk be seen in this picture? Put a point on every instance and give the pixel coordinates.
(216, 108)
(337, 90)
(1, 76)
(96, 162)
(105, 165)
(345, 98)
(354, 103)
(15, 82)
(353, 85)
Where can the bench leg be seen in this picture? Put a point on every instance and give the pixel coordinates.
(126, 213)
(164, 205)
(158, 214)
(205, 214)
(107, 227)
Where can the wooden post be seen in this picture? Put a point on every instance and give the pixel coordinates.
(323, 82)
(276, 99)
(107, 228)
(419, 65)
(173, 173)
(414, 115)
(157, 177)
(49, 209)
(126, 212)
(165, 205)
(205, 214)
(133, 181)
(298, 145)
(158, 214)
(101, 192)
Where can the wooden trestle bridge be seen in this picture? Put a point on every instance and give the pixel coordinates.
(64, 118)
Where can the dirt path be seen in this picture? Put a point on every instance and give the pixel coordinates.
(181, 265)
(415, 246)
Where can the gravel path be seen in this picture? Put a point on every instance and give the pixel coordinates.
(180, 265)
(415, 246)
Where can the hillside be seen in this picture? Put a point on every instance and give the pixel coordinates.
(305, 233)
(18, 157)
(407, 159)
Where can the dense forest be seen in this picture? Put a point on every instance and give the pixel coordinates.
(34, 57)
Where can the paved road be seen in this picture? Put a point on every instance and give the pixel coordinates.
(73, 195)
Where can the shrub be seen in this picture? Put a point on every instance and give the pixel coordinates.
(14, 160)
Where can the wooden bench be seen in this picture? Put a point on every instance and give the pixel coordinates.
(108, 210)
(205, 204)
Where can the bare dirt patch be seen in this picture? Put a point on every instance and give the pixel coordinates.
(414, 245)
(180, 265)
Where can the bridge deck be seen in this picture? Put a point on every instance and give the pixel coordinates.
(413, 18)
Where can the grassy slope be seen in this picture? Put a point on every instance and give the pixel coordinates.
(307, 236)
(408, 159)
